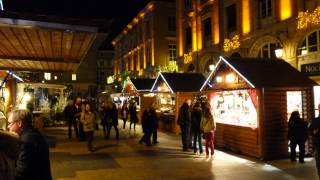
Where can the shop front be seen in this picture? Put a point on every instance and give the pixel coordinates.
(138, 90)
(251, 101)
(170, 92)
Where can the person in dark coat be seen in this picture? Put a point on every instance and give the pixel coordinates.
(314, 129)
(105, 112)
(69, 112)
(196, 116)
(114, 121)
(124, 113)
(79, 109)
(154, 121)
(297, 135)
(149, 117)
(133, 115)
(9, 151)
(184, 120)
(33, 159)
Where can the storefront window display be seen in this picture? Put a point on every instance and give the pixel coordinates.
(316, 90)
(165, 102)
(294, 102)
(236, 107)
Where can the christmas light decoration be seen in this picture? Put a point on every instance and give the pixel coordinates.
(231, 44)
(306, 19)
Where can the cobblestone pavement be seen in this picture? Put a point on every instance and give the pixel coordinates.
(127, 159)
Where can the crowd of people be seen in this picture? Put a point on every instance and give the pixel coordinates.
(25, 153)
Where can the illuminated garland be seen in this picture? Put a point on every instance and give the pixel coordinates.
(307, 18)
(187, 58)
(231, 44)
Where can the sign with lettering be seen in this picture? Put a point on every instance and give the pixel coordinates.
(312, 69)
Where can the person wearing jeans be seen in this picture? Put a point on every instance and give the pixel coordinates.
(208, 127)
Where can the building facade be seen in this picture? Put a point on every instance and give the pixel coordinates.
(207, 29)
(148, 43)
(104, 68)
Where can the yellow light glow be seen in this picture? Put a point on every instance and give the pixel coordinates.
(199, 33)
(231, 44)
(150, 7)
(141, 15)
(306, 19)
(144, 57)
(187, 58)
(246, 21)
(180, 27)
(285, 9)
(152, 51)
(216, 33)
(135, 20)
(159, 88)
(230, 78)
(113, 42)
(194, 34)
(129, 26)
(219, 79)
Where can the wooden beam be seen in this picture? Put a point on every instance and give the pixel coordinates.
(18, 58)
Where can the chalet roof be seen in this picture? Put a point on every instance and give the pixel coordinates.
(259, 72)
(142, 84)
(181, 82)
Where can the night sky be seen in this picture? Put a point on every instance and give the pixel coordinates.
(121, 11)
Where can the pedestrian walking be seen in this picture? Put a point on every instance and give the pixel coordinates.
(33, 159)
(196, 116)
(114, 121)
(69, 113)
(314, 129)
(297, 135)
(208, 126)
(79, 108)
(133, 114)
(88, 120)
(149, 117)
(184, 120)
(124, 113)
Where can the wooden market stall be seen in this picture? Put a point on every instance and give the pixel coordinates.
(139, 89)
(252, 99)
(171, 90)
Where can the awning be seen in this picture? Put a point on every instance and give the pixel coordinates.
(43, 46)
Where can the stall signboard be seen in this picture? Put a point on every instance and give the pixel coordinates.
(312, 69)
(235, 107)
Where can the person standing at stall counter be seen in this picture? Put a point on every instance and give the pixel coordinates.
(208, 126)
(33, 160)
(297, 135)
(184, 120)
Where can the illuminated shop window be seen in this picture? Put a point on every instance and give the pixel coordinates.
(268, 50)
(235, 107)
(309, 44)
(265, 7)
(294, 102)
(47, 76)
(74, 77)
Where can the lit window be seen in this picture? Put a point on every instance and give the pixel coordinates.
(74, 77)
(47, 76)
(172, 52)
